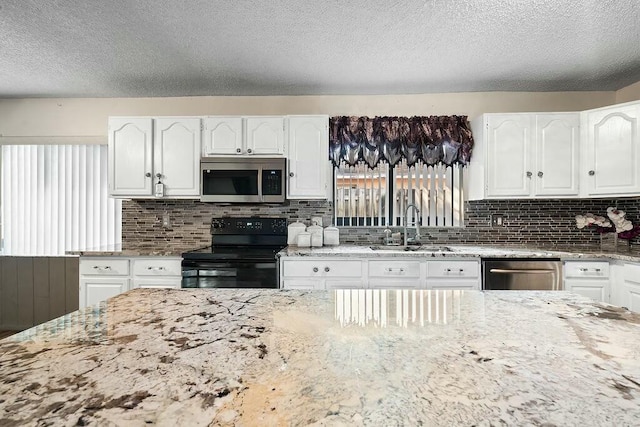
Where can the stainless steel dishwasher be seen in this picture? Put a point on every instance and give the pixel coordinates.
(522, 274)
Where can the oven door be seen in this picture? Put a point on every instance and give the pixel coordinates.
(230, 274)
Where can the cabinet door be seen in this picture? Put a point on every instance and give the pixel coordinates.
(177, 155)
(597, 290)
(264, 135)
(556, 160)
(308, 154)
(130, 156)
(303, 284)
(222, 135)
(613, 151)
(453, 285)
(415, 283)
(508, 155)
(96, 289)
(157, 283)
(631, 295)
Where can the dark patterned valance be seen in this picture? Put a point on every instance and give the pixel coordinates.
(432, 139)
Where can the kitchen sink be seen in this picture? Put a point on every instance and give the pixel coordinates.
(412, 248)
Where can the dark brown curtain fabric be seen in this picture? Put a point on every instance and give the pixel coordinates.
(432, 139)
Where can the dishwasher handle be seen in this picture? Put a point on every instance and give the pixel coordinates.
(523, 271)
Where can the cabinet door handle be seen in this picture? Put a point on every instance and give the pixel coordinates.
(584, 270)
(597, 270)
(327, 269)
(291, 174)
(529, 174)
(249, 150)
(99, 267)
(315, 269)
(148, 174)
(540, 174)
(238, 150)
(591, 173)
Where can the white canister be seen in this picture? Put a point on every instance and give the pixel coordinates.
(316, 220)
(293, 230)
(303, 239)
(316, 235)
(331, 236)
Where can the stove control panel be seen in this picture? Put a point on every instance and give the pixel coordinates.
(253, 225)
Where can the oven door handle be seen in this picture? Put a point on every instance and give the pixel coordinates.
(522, 271)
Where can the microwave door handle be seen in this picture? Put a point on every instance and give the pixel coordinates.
(260, 185)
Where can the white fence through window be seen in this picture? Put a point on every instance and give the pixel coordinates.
(55, 199)
(361, 195)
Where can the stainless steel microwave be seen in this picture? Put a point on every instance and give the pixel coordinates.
(242, 180)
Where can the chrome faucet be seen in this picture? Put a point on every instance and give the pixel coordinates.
(416, 223)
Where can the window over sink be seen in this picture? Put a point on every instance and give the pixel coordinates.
(379, 196)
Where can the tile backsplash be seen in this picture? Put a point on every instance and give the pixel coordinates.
(537, 223)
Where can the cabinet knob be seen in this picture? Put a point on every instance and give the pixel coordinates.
(584, 269)
(448, 270)
(158, 175)
(591, 173)
(148, 174)
(597, 270)
(529, 174)
(291, 174)
(249, 150)
(238, 150)
(315, 269)
(540, 174)
(461, 270)
(327, 269)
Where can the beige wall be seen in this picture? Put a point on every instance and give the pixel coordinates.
(629, 93)
(84, 120)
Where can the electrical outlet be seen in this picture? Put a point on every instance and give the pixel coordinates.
(497, 220)
(166, 220)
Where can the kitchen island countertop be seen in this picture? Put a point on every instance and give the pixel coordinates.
(354, 357)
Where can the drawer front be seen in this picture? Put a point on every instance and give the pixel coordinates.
(157, 267)
(104, 267)
(321, 268)
(453, 269)
(378, 268)
(586, 269)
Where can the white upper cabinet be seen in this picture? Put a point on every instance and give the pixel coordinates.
(261, 135)
(612, 151)
(508, 153)
(130, 156)
(308, 157)
(526, 155)
(177, 155)
(222, 135)
(557, 140)
(144, 150)
(264, 135)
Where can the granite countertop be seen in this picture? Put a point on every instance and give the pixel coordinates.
(343, 357)
(153, 249)
(451, 251)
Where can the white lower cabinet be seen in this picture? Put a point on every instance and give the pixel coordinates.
(454, 275)
(630, 289)
(320, 273)
(378, 273)
(588, 278)
(97, 289)
(104, 277)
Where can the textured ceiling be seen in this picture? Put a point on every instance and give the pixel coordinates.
(139, 48)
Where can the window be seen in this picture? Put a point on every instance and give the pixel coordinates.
(54, 199)
(361, 195)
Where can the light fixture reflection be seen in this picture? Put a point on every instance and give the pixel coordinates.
(396, 307)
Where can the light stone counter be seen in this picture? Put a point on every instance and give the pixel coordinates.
(267, 357)
(455, 251)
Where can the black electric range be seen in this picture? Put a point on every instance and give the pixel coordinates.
(242, 254)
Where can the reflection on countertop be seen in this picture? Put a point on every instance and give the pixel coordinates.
(356, 357)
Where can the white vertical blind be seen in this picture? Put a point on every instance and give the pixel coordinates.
(55, 199)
